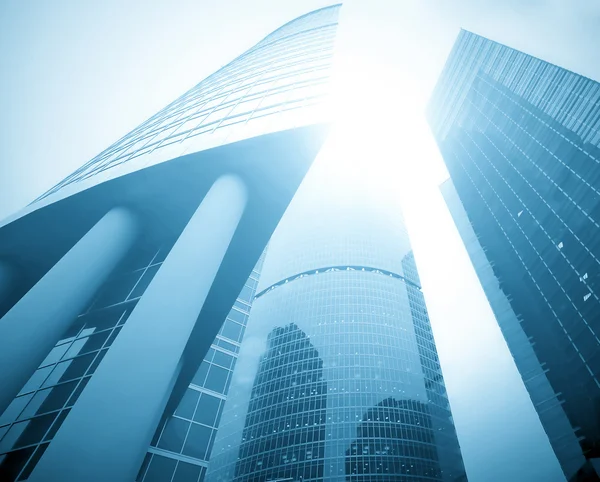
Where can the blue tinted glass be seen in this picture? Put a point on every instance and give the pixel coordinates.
(160, 470)
(197, 442)
(207, 409)
(173, 435)
(216, 379)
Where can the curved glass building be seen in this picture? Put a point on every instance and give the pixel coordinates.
(280, 83)
(338, 376)
(125, 289)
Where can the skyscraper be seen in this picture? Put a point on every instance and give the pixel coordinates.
(116, 282)
(521, 138)
(338, 376)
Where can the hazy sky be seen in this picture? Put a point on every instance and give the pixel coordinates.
(79, 74)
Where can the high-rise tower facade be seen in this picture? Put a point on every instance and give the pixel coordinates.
(115, 283)
(338, 376)
(521, 138)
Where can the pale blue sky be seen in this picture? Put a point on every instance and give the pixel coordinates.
(78, 74)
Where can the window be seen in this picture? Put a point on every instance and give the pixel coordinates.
(188, 404)
(232, 330)
(208, 408)
(223, 359)
(216, 379)
(198, 441)
(186, 472)
(160, 469)
(173, 435)
(200, 375)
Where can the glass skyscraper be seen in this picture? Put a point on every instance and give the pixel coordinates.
(521, 140)
(128, 284)
(338, 376)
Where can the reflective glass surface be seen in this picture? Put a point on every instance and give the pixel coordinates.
(280, 83)
(520, 139)
(30, 422)
(338, 376)
(187, 437)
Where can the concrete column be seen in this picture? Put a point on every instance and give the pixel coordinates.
(108, 431)
(37, 321)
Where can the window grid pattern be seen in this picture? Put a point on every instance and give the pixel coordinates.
(35, 415)
(525, 163)
(181, 448)
(279, 83)
(350, 335)
(566, 97)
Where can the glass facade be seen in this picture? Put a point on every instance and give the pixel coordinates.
(28, 425)
(338, 376)
(182, 445)
(30, 422)
(520, 139)
(280, 83)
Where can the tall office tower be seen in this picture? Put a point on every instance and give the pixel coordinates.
(338, 376)
(520, 138)
(115, 283)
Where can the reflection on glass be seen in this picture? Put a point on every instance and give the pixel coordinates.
(284, 432)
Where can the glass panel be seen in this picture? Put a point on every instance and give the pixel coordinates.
(33, 430)
(207, 409)
(59, 420)
(55, 354)
(222, 359)
(14, 462)
(188, 404)
(238, 316)
(197, 442)
(231, 330)
(86, 345)
(104, 319)
(216, 379)
(78, 391)
(173, 435)
(144, 282)
(36, 379)
(116, 290)
(160, 470)
(186, 472)
(200, 375)
(70, 370)
(34, 460)
(14, 409)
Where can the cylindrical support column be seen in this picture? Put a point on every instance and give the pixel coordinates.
(30, 329)
(108, 431)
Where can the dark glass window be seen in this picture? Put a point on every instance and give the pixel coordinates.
(160, 470)
(116, 290)
(188, 404)
(197, 442)
(34, 429)
(216, 379)
(70, 370)
(144, 282)
(13, 462)
(186, 472)
(103, 319)
(173, 435)
(34, 460)
(200, 375)
(208, 409)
